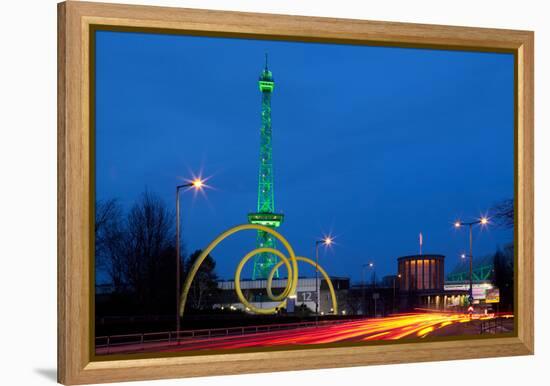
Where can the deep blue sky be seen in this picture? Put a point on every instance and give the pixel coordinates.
(372, 144)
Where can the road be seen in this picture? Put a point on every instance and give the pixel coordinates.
(415, 325)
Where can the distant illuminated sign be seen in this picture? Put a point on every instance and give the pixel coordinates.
(492, 296)
(306, 296)
(479, 290)
(466, 286)
(478, 293)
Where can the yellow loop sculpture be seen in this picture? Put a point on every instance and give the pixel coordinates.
(310, 262)
(291, 264)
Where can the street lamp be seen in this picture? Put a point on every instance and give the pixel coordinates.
(327, 242)
(398, 276)
(458, 224)
(197, 184)
(369, 265)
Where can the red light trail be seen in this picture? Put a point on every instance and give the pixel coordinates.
(414, 325)
(389, 328)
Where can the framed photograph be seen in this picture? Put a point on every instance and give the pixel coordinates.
(252, 193)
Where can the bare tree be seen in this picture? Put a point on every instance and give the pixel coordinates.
(503, 213)
(204, 286)
(109, 237)
(354, 302)
(149, 245)
(107, 212)
(137, 251)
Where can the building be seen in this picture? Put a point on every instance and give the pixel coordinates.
(341, 288)
(484, 292)
(422, 283)
(421, 273)
(372, 299)
(306, 294)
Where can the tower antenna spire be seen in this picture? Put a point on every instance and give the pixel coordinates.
(265, 213)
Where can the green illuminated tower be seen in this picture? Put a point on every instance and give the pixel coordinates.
(263, 263)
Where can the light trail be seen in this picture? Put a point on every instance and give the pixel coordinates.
(417, 325)
(401, 326)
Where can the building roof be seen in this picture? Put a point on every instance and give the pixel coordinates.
(422, 256)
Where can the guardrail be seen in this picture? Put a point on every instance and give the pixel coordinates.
(491, 326)
(105, 342)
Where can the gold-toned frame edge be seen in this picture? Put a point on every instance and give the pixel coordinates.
(74, 203)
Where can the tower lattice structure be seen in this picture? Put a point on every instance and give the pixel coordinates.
(265, 215)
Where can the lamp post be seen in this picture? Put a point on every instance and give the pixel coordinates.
(458, 224)
(326, 241)
(363, 267)
(398, 276)
(196, 184)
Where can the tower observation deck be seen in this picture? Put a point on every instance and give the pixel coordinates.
(265, 215)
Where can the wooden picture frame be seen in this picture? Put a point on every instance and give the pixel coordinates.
(76, 364)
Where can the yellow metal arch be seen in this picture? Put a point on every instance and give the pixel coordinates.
(286, 291)
(293, 275)
(290, 263)
(311, 262)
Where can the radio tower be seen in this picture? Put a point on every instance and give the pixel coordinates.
(265, 215)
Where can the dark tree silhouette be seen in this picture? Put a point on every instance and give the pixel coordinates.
(503, 276)
(136, 250)
(204, 287)
(503, 261)
(503, 213)
(149, 258)
(355, 302)
(109, 241)
(107, 214)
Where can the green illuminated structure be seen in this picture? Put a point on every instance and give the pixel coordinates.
(265, 215)
(482, 270)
